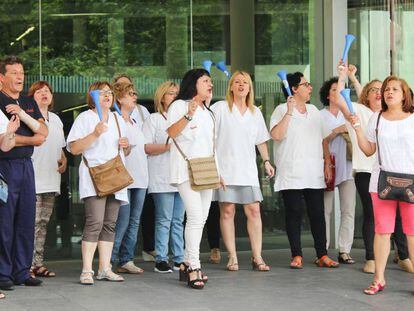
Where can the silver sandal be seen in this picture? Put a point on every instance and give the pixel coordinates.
(86, 277)
(108, 275)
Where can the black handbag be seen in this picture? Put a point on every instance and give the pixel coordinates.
(393, 186)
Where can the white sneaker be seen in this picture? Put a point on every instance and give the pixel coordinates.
(148, 256)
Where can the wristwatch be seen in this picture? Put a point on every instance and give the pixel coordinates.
(188, 117)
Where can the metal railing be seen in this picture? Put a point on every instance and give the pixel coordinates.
(145, 86)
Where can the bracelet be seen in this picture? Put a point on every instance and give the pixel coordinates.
(264, 162)
(187, 117)
(289, 114)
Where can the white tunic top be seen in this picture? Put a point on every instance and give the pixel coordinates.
(3, 122)
(237, 137)
(337, 147)
(360, 162)
(299, 156)
(155, 128)
(46, 157)
(196, 139)
(396, 145)
(101, 151)
(136, 162)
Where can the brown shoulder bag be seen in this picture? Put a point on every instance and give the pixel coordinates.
(111, 176)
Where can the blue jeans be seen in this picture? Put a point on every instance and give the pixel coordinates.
(126, 230)
(169, 217)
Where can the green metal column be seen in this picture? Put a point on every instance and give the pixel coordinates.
(242, 38)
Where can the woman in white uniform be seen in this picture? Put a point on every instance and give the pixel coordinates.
(7, 140)
(169, 208)
(191, 125)
(303, 164)
(335, 122)
(240, 129)
(98, 140)
(49, 162)
(129, 216)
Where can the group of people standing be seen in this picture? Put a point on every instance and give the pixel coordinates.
(312, 148)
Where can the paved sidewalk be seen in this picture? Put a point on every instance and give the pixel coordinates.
(312, 288)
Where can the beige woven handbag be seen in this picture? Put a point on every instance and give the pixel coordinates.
(203, 172)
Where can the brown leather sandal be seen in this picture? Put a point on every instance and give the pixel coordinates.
(258, 264)
(42, 271)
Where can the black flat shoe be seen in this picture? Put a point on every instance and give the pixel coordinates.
(30, 282)
(6, 285)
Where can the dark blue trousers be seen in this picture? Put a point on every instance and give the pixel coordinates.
(17, 220)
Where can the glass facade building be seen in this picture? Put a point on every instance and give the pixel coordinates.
(71, 43)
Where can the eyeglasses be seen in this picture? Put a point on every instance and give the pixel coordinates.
(374, 90)
(132, 94)
(306, 84)
(106, 93)
(172, 93)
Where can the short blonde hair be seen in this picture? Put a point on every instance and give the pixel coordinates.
(250, 95)
(162, 89)
(99, 85)
(121, 89)
(363, 97)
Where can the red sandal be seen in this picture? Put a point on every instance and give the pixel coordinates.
(374, 288)
(296, 263)
(326, 262)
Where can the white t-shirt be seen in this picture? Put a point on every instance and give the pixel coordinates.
(299, 156)
(195, 140)
(360, 162)
(46, 157)
(396, 145)
(237, 137)
(140, 114)
(136, 161)
(101, 151)
(3, 122)
(337, 147)
(155, 128)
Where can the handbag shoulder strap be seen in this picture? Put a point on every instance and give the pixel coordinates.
(214, 137)
(376, 137)
(119, 134)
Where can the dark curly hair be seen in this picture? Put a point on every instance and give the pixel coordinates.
(324, 90)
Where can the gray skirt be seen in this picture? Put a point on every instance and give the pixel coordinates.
(238, 195)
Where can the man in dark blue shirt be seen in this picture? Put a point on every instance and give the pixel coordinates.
(17, 216)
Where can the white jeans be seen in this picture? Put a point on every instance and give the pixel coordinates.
(197, 205)
(347, 193)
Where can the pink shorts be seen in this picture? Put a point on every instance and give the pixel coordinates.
(385, 212)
